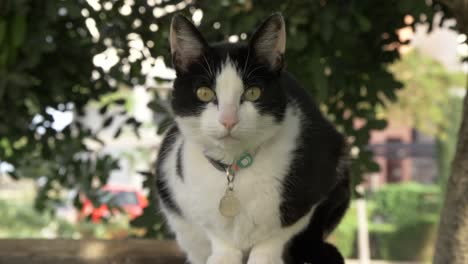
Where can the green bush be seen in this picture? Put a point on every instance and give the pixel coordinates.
(402, 223)
(21, 220)
(406, 203)
(409, 242)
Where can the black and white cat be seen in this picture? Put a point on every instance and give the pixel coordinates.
(251, 172)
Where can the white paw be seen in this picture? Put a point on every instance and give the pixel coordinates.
(264, 258)
(195, 259)
(225, 258)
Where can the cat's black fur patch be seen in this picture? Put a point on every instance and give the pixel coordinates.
(179, 169)
(318, 174)
(164, 193)
(313, 172)
(309, 246)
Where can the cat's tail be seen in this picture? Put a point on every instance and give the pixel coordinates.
(313, 250)
(321, 253)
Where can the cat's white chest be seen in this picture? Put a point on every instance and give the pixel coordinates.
(258, 189)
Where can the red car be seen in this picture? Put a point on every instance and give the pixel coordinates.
(131, 200)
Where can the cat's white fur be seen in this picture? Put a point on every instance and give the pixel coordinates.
(256, 233)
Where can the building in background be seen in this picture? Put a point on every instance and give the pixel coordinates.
(403, 154)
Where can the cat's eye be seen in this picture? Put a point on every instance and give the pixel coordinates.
(205, 94)
(252, 93)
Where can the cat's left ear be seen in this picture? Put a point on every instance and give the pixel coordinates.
(187, 43)
(269, 41)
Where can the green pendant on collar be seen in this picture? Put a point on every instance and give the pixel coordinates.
(245, 161)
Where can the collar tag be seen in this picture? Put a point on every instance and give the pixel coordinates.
(245, 161)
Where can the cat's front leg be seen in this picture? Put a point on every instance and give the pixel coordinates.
(223, 252)
(191, 239)
(268, 252)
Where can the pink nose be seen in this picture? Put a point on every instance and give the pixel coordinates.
(229, 121)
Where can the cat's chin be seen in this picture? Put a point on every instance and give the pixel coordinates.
(230, 143)
(228, 139)
(227, 148)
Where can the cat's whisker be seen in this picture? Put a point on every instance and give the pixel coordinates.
(246, 62)
(204, 77)
(255, 69)
(209, 67)
(204, 68)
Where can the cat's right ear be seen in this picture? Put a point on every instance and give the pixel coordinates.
(269, 41)
(187, 43)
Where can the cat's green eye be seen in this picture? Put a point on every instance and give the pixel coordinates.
(252, 93)
(205, 94)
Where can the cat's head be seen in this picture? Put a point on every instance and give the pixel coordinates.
(228, 95)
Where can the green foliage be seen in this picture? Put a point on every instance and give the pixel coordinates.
(402, 223)
(20, 220)
(49, 66)
(405, 203)
(428, 86)
(340, 50)
(413, 241)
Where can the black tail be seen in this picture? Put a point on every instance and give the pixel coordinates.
(310, 246)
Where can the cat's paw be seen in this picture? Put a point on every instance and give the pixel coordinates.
(226, 257)
(264, 258)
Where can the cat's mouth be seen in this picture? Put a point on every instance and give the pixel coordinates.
(228, 136)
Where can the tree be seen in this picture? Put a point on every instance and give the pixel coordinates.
(46, 63)
(452, 242)
(427, 86)
(340, 50)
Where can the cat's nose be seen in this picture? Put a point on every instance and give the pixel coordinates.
(229, 121)
(228, 116)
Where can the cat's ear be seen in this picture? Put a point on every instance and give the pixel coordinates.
(269, 41)
(187, 43)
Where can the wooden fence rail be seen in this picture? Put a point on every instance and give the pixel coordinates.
(131, 251)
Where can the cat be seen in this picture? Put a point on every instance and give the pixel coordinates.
(251, 171)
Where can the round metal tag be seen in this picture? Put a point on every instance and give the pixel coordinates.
(229, 205)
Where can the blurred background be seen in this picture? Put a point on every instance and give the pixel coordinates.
(85, 86)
